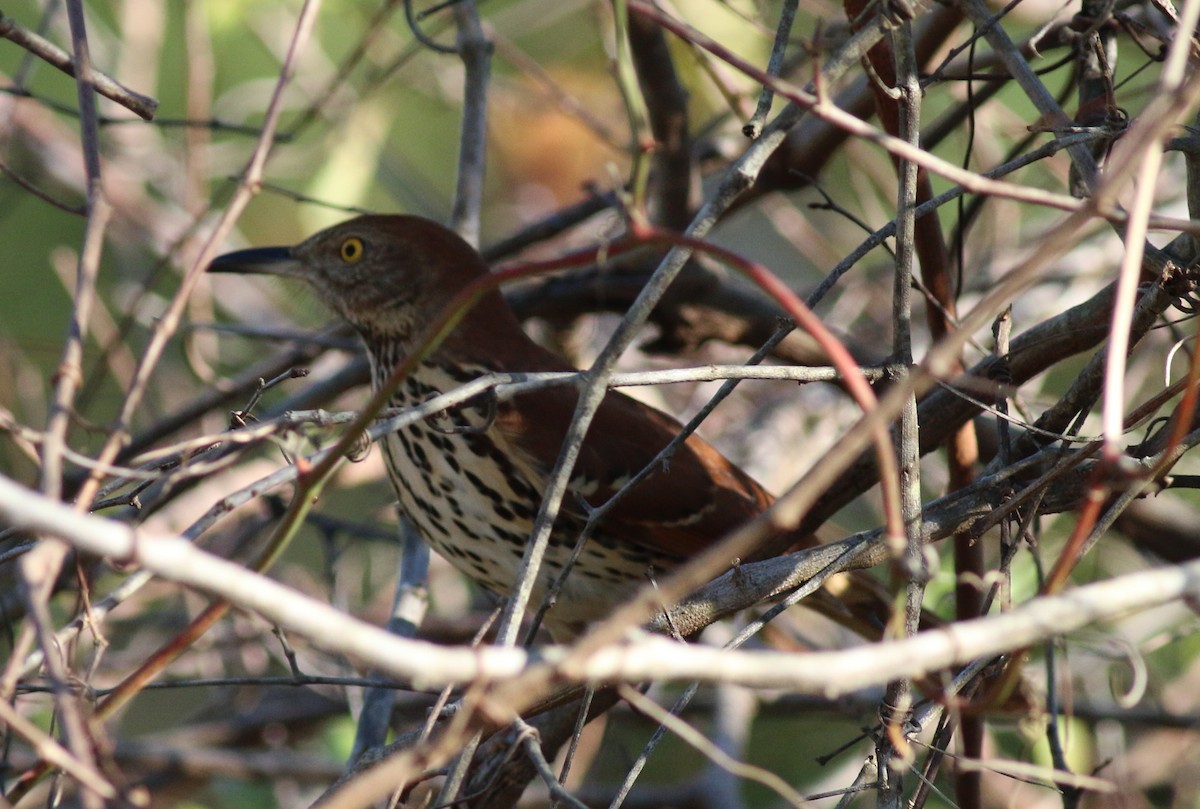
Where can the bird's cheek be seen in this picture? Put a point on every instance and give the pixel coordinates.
(338, 291)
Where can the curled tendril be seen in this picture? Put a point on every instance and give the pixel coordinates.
(414, 25)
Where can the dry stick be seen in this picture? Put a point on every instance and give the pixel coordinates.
(408, 611)
(581, 719)
(733, 712)
(787, 16)
(525, 673)
(712, 752)
(974, 509)
(98, 211)
(142, 106)
(39, 568)
(529, 741)
(910, 556)
(1091, 524)
(1186, 411)
(641, 140)
(67, 706)
(1085, 388)
(809, 585)
(868, 774)
(665, 102)
(475, 51)
(810, 145)
(146, 285)
(961, 449)
(337, 83)
(503, 386)
(51, 751)
(210, 398)
(1095, 51)
(74, 210)
(1148, 125)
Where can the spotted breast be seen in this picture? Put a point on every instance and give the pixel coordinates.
(473, 493)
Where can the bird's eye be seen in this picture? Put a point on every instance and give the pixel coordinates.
(352, 250)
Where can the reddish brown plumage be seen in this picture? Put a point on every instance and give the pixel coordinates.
(473, 494)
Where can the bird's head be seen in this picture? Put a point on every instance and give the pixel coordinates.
(385, 274)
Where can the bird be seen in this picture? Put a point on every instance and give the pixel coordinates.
(473, 488)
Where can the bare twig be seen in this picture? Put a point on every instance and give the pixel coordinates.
(476, 52)
(142, 106)
(426, 664)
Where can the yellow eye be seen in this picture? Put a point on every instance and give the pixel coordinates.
(352, 249)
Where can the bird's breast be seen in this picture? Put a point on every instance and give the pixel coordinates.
(474, 494)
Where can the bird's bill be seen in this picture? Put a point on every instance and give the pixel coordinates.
(258, 261)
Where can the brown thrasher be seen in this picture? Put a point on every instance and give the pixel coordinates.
(473, 493)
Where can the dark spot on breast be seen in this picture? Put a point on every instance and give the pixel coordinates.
(522, 508)
(484, 489)
(418, 456)
(465, 529)
(509, 536)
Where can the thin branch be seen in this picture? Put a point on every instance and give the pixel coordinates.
(787, 16)
(910, 553)
(142, 106)
(524, 675)
(698, 742)
(476, 52)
